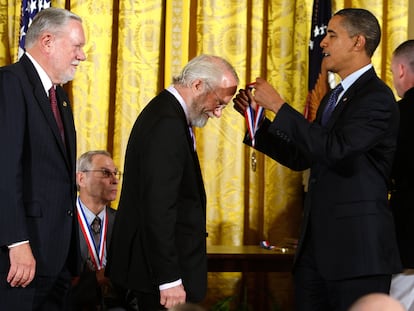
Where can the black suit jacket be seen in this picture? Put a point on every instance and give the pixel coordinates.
(160, 229)
(403, 182)
(37, 184)
(346, 208)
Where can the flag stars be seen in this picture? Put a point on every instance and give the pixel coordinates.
(33, 6)
(319, 30)
(22, 33)
(29, 9)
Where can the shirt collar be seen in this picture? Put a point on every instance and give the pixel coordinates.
(90, 216)
(180, 99)
(349, 80)
(46, 81)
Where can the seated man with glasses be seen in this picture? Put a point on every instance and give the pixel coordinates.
(97, 179)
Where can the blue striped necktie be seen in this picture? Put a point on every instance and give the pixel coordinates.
(333, 98)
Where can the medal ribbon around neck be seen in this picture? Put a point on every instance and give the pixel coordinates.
(253, 117)
(96, 256)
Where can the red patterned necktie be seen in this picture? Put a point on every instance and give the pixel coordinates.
(56, 113)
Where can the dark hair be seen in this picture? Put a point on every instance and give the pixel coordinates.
(362, 22)
(406, 50)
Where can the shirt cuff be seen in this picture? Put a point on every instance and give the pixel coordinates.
(17, 244)
(169, 285)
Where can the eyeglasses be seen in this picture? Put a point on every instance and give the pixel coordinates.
(105, 173)
(221, 104)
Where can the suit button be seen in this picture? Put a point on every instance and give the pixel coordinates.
(69, 213)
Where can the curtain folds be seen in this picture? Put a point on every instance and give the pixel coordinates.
(134, 48)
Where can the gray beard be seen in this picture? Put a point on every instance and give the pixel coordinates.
(197, 118)
(200, 121)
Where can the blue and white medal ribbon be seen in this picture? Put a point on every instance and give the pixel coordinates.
(97, 256)
(253, 117)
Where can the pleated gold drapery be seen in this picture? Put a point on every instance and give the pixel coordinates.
(135, 47)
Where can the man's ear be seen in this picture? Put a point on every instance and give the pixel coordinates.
(198, 86)
(79, 178)
(46, 41)
(401, 70)
(360, 42)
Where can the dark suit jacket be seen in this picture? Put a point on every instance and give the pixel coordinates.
(37, 184)
(160, 229)
(403, 182)
(346, 208)
(87, 291)
(110, 213)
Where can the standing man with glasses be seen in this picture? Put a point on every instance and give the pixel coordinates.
(97, 179)
(158, 248)
(38, 231)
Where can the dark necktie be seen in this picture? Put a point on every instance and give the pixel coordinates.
(331, 103)
(190, 128)
(96, 231)
(56, 113)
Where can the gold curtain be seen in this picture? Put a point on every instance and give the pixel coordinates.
(135, 47)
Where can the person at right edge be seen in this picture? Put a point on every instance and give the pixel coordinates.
(347, 247)
(402, 67)
(158, 246)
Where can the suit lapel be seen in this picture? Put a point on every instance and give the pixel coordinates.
(44, 104)
(200, 178)
(180, 112)
(347, 96)
(42, 100)
(110, 213)
(68, 125)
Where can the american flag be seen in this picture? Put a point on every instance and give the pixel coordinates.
(318, 77)
(29, 9)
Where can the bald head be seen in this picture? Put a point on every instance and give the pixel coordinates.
(377, 302)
